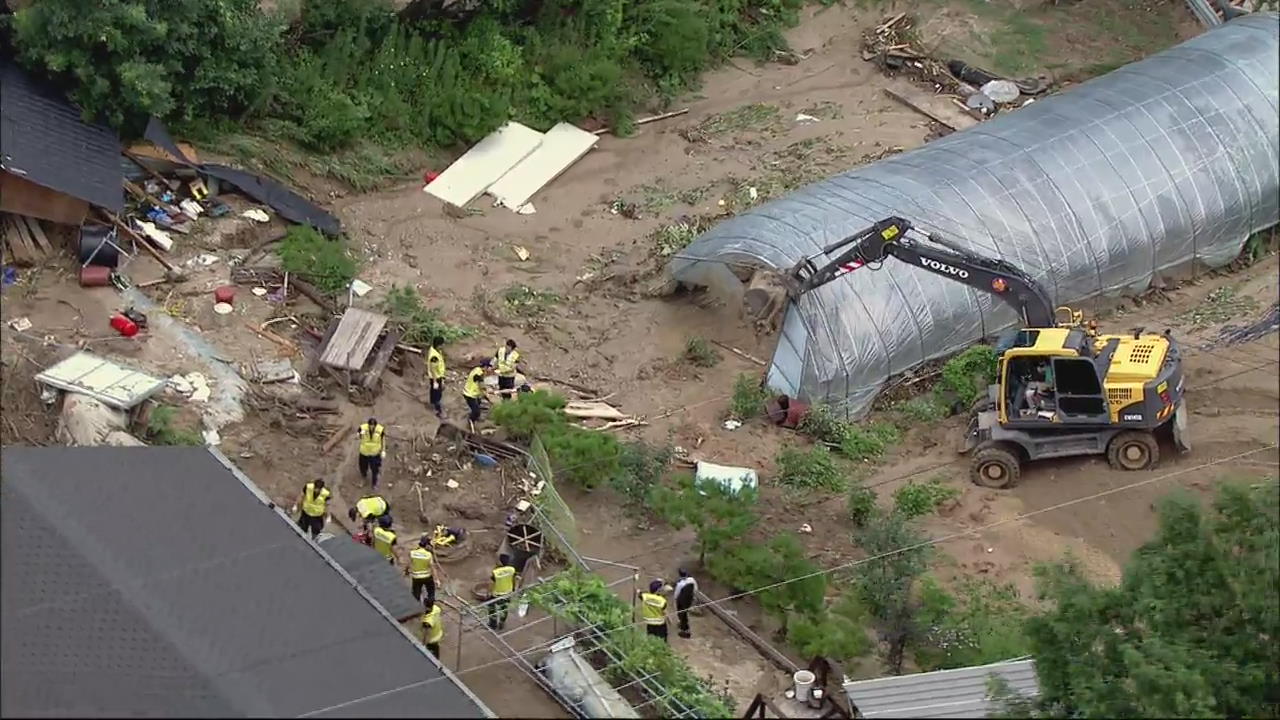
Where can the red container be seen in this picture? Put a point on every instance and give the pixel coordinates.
(95, 276)
(224, 294)
(124, 325)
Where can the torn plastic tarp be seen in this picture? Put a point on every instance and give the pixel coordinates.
(291, 206)
(1094, 192)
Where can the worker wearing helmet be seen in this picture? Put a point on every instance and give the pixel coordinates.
(384, 539)
(420, 571)
(653, 607)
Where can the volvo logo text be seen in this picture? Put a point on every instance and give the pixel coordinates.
(943, 267)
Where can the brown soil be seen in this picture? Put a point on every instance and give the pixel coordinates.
(606, 333)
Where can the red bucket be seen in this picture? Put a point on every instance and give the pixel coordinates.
(224, 294)
(95, 276)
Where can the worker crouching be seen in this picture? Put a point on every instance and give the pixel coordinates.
(432, 628)
(384, 539)
(504, 583)
(653, 607)
(368, 509)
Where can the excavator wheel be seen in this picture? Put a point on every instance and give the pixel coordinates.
(1133, 450)
(995, 466)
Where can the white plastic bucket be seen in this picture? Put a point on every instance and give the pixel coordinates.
(803, 680)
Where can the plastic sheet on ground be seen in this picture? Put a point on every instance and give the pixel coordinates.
(1096, 191)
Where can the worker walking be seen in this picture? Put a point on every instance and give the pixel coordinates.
(504, 583)
(435, 375)
(505, 360)
(372, 449)
(420, 570)
(686, 591)
(432, 628)
(653, 607)
(473, 390)
(368, 509)
(384, 539)
(315, 505)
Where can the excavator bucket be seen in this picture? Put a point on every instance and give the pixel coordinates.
(765, 300)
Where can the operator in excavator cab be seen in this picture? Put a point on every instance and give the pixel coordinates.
(1039, 391)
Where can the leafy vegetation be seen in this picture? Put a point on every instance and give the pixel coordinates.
(525, 301)
(887, 583)
(719, 516)
(700, 353)
(670, 239)
(856, 441)
(916, 499)
(922, 409)
(968, 374)
(642, 468)
(1219, 306)
(324, 262)
(403, 306)
(345, 72)
(585, 601)
(981, 623)
(749, 397)
(1188, 632)
(861, 504)
(812, 469)
(839, 634)
(161, 429)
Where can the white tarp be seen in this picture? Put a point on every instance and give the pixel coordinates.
(1171, 160)
(561, 147)
(486, 162)
(114, 385)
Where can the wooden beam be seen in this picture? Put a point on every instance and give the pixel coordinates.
(373, 376)
(770, 653)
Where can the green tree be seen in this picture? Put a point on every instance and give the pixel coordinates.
(887, 582)
(718, 515)
(1191, 629)
(124, 60)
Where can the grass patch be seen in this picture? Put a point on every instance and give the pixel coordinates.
(1020, 45)
(856, 441)
(922, 409)
(968, 374)
(403, 306)
(323, 262)
(812, 469)
(670, 239)
(161, 429)
(915, 499)
(700, 353)
(754, 117)
(524, 301)
(748, 398)
(1221, 305)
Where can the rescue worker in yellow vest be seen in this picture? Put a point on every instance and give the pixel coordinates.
(315, 505)
(373, 448)
(473, 390)
(368, 509)
(435, 375)
(384, 539)
(432, 629)
(419, 570)
(504, 583)
(653, 607)
(505, 360)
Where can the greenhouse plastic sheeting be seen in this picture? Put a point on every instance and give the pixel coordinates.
(1094, 192)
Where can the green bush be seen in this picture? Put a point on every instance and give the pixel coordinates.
(982, 623)
(812, 469)
(161, 430)
(322, 261)
(535, 413)
(403, 306)
(918, 499)
(861, 504)
(721, 518)
(586, 458)
(749, 397)
(642, 468)
(838, 634)
(864, 441)
(968, 374)
(700, 353)
(922, 409)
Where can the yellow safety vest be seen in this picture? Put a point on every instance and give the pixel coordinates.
(507, 361)
(371, 507)
(474, 387)
(382, 540)
(435, 364)
(432, 620)
(420, 563)
(654, 608)
(441, 537)
(504, 580)
(314, 504)
(371, 441)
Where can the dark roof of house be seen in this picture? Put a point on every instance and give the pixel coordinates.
(44, 140)
(379, 578)
(160, 582)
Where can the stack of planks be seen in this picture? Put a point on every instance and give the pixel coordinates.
(28, 245)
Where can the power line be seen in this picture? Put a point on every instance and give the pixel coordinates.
(844, 566)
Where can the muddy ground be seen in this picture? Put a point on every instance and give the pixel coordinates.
(591, 247)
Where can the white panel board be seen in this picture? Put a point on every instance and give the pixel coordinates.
(113, 385)
(560, 148)
(484, 163)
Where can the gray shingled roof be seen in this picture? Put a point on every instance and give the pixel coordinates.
(378, 577)
(159, 582)
(959, 693)
(44, 140)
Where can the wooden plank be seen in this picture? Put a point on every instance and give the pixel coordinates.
(934, 107)
(23, 197)
(20, 224)
(770, 652)
(37, 234)
(355, 337)
(561, 147)
(482, 165)
(373, 377)
(22, 254)
(313, 362)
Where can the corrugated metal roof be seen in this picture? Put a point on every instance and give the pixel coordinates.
(959, 693)
(159, 582)
(45, 141)
(381, 579)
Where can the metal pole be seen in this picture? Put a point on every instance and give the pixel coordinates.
(461, 619)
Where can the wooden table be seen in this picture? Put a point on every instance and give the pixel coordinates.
(353, 339)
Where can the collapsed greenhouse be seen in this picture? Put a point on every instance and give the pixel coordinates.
(1160, 166)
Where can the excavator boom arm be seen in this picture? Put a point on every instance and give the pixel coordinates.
(889, 238)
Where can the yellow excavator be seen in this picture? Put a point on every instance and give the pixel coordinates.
(1062, 390)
